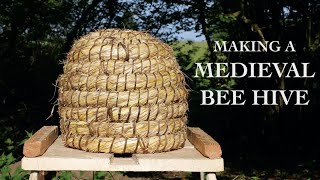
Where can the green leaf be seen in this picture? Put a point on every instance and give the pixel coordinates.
(19, 174)
(8, 141)
(66, 175)
(5, 170)
(29, 134)
(255, 178)
(99, 175)
(2, 160)
(10, 159)
(10, 147)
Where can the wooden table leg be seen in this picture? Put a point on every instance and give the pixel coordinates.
(211, 176)
(201, 175)
(42, 175)
(34, 175)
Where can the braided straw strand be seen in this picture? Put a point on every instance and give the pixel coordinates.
(142, 129)
(120, 82)
(126, 114)
(151, 144)
(150, 65)
(123, 98)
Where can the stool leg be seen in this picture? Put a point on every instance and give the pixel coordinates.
(34, 175)
(211, 176)
(42, 175)
(201, 175)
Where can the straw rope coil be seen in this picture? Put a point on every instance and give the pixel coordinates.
(125, 114)
(149, 65)
(141, 129)
(120, 82)
(122, 91)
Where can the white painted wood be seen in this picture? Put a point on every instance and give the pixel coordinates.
(201, 175)
(34, 176)
(58, 158)
(211, 176)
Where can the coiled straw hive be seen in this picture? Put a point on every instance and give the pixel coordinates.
(122, 92)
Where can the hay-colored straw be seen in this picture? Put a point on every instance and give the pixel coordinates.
(109, 44)
(120, 82)
(138, 97)
(122, 91)
(150, 65)
(131, 114)
(128, 130)
(152, 144)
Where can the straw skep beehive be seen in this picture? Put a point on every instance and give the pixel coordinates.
(122, 92)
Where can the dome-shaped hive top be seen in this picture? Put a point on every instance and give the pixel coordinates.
(122, 91)
(116, 44)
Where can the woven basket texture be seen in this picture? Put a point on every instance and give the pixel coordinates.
(122, 91)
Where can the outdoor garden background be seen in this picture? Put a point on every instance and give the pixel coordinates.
(257, 141)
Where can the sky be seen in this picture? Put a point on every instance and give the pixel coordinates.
(191, 35)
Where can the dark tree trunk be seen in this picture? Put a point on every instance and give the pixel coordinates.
(202, 21)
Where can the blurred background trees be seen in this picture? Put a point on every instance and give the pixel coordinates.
(36, 35)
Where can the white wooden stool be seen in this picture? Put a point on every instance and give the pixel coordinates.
(44, 151)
